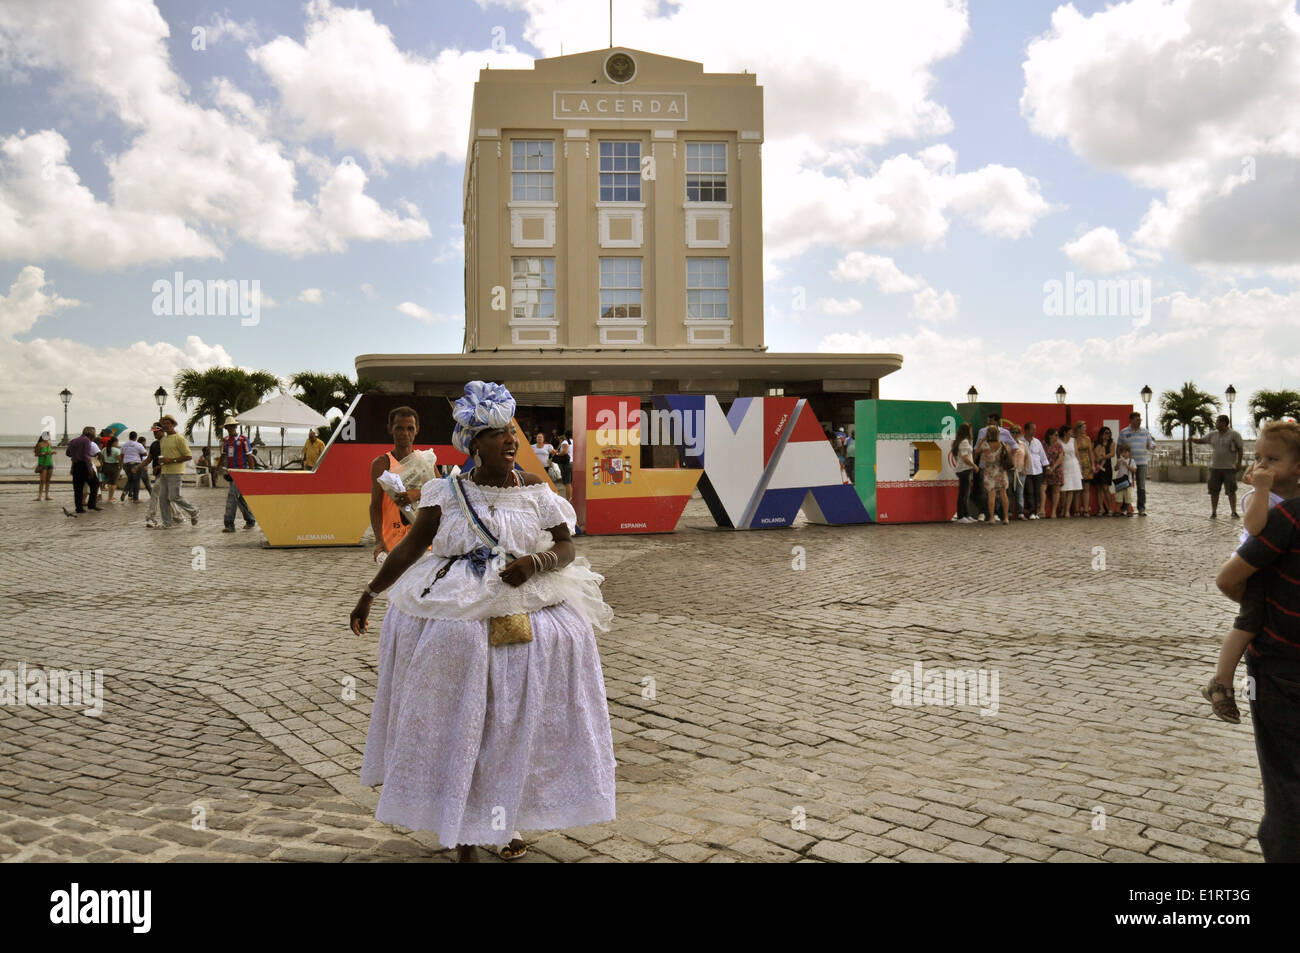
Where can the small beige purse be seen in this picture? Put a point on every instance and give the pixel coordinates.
(510, 629)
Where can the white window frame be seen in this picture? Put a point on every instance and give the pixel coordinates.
(620, 330)
(534, 330)
(634, 172)
(725, 174)
(711, 330)
(525, 143)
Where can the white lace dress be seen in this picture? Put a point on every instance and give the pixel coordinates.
(473, 741)
(1071, 472)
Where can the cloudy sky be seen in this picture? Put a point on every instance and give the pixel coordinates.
(952, 181)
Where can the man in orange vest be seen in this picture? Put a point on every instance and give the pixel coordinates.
(385, 517)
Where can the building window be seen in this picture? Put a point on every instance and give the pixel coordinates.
(532, 287)
(620, 288)
(620, 172)
(706, 289)
(706, 172)
(532, 170)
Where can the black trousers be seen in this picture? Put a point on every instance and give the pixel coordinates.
(1033, 491)
(133, 480)
(1275, 712)
(83, 475)
(965, 505)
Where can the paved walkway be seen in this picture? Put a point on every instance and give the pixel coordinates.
(231, 732)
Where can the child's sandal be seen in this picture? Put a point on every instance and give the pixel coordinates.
(1223, 701)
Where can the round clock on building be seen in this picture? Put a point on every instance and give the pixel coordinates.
(620, 68)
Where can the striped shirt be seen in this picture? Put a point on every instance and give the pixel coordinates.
(235, 451)
(1276, 552)
(1139, 442)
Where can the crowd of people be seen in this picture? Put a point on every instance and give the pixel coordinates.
(1006, 472)
(555, 454)
(103, 463)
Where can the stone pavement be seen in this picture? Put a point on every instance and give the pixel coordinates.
(750, 699)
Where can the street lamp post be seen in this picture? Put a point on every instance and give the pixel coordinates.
(160, 398)
(1231, 394)
(1060, 394)
(1146, 399)
(65, 395)
(972, 395)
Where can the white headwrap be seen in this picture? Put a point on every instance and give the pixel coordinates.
(485, 406)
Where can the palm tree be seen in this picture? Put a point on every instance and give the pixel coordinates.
(1189, 408)
(218, 392)
(205, 391)
(316, 390)
(1274, 405)
(326, 392)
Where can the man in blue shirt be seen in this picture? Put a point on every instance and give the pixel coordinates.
(995, 420)
(1140, 444)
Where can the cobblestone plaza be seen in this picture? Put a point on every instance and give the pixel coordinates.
(751, 680)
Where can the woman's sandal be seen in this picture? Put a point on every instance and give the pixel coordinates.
(509, 851)
(1222, 699)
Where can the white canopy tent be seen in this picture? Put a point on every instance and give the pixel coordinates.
(282, 410)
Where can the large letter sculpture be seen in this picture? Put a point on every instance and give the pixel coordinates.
(902, 470)
(612, 492)
(764, 461)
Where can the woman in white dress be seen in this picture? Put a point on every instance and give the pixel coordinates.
(474, 733)
(1071, 473)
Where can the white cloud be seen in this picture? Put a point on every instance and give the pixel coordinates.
(421, 313)
(907, 200)
(413, 310)
(1213, 341)
(311, 296)
(927, 304)
(998, 200)
(837, 307)
(45, 212)
(222, 26)
(888, 277)
(28, 302)
(348, 80)
(1100, 250)
(1195, 98)
(190, 177)
(930, 305)
(37, 369)
(368, 289)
